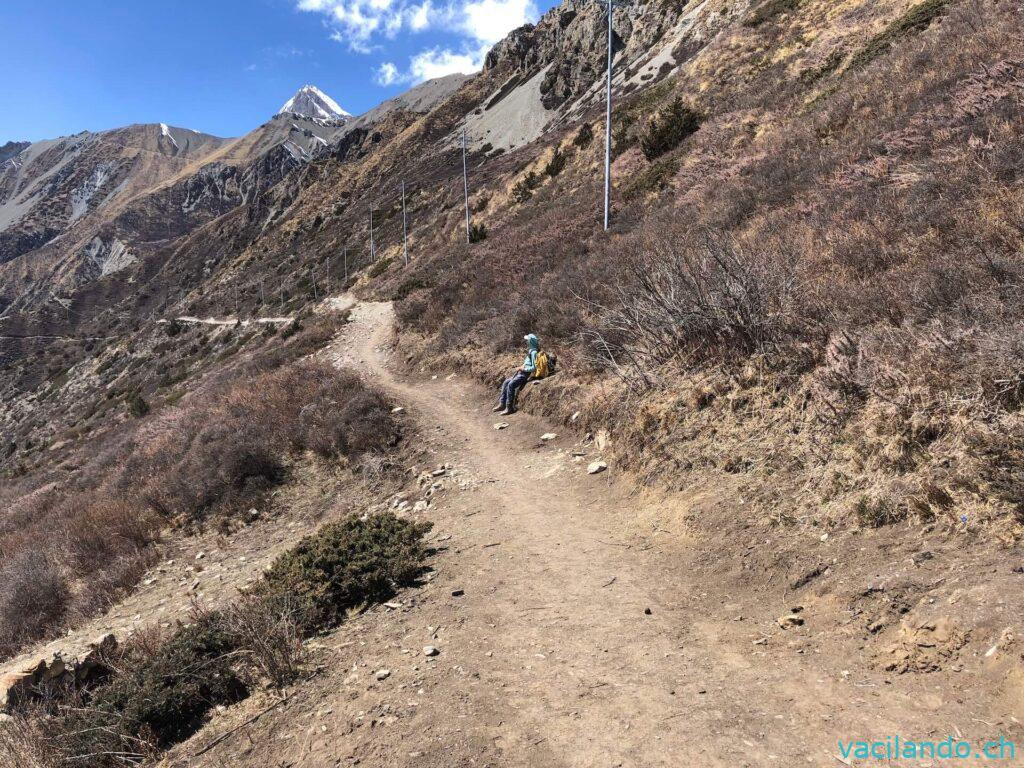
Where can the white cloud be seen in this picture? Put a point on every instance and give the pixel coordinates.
(438, 62)
(490, 20)
(386, 74)
(357, 23)
(431, 63)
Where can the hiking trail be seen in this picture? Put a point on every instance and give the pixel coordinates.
(573, 627)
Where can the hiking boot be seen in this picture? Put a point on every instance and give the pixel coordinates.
(507, 412)
(497, 408)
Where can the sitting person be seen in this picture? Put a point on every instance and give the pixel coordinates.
(511, 386)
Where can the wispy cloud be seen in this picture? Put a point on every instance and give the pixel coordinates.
(476, 24)
(386, 74)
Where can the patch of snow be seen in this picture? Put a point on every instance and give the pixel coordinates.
(166, 131)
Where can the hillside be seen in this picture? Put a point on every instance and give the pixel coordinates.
(800, 337)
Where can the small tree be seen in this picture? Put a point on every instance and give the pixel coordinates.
(137, 405)
(667, 131)
(477, 233)
(556, 164)
(583, 136)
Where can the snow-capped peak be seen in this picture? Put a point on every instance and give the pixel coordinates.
(310, 101)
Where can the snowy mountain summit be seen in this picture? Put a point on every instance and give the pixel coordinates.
(310, 101)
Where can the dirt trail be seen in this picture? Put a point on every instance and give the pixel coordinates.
(585, 636)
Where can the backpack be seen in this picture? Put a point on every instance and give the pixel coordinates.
(545, 365)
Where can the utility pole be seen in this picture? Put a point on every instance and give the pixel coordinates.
(263, 296)
(312, 275)
(405, 229)
(608, 125)
(373, 251)
(465, 180)
(345, 257)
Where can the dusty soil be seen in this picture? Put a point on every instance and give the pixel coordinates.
(580, 622)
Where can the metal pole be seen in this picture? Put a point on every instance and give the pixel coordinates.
(263, 296)
(373, 251)
(608, 127)
(465, 181)
(405, 230)
(345, 257)
(312, 274)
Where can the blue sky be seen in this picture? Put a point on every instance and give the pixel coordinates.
(225, 66)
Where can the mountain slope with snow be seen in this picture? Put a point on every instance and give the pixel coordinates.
(310, 101)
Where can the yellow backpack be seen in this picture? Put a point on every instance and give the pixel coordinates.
(543, 368)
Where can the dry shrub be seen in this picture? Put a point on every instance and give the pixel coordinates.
(23, 742)
(227, 452)
(269, 630)
(693, 300)
(70, 551)
(160, 689)
(34, 599)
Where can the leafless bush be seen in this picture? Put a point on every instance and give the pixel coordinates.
(34, 598)
(23, 742)
(687, 301)
(268, 629)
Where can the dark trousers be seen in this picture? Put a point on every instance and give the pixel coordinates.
(510, 388)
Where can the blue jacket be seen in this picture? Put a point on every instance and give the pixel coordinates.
(530, 363)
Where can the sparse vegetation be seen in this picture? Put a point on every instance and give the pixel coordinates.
(379, 267)
(204, 461)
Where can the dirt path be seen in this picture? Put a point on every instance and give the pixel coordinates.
(584, 636)
(575, 626)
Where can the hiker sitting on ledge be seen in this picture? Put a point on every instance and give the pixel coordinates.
(537, 365)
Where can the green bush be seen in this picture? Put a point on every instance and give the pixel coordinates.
(477, 233)
(523, 189)
(667, 131)
(347, 564)
(583, 136)
(137, 405)
(915, 20)
(655, 177)
(556, 164)
(157, 700)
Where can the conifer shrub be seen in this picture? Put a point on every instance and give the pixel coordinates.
(347, 564)
(477, 233)
(667, 131)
